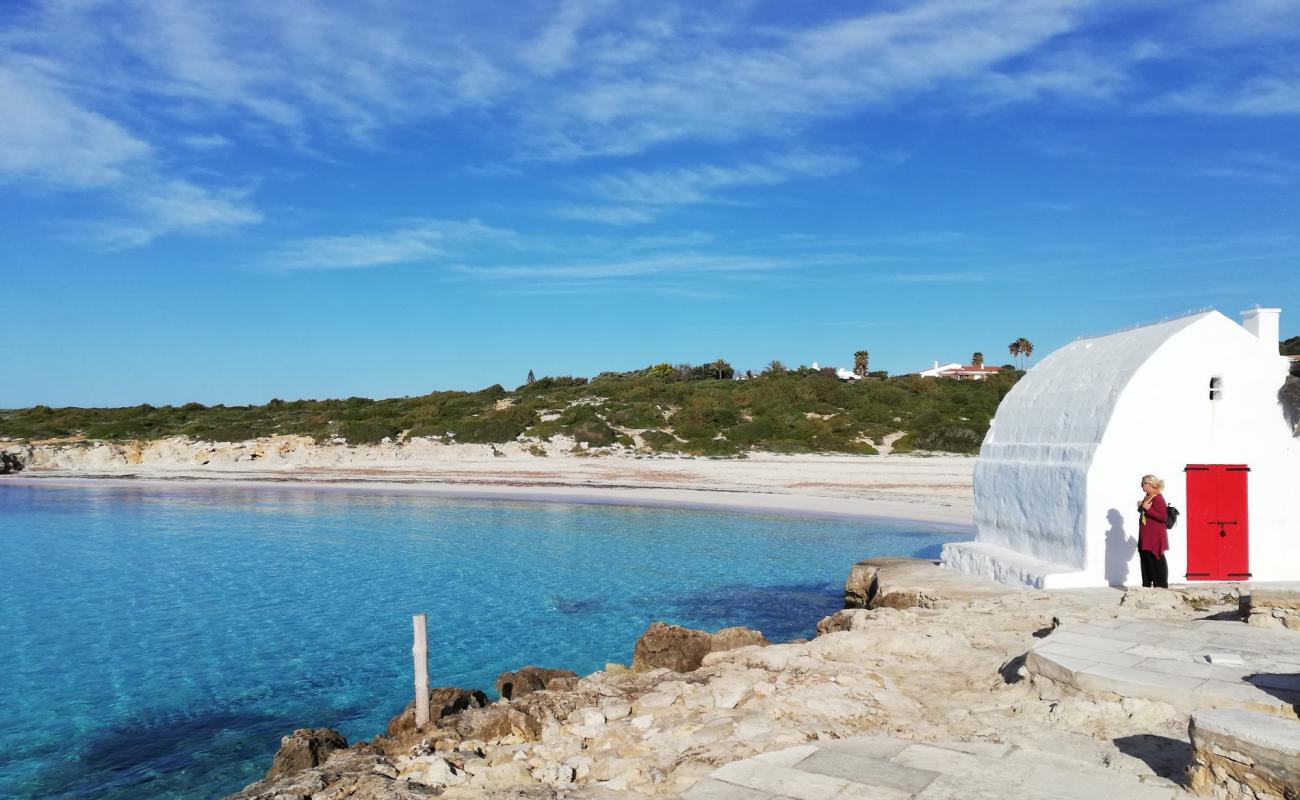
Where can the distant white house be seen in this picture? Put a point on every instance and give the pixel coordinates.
(1194, 401)
(968, 372)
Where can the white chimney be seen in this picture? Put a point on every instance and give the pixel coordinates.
(936, 365)
(1263, 324)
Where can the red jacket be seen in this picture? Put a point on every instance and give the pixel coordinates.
(1153, 532)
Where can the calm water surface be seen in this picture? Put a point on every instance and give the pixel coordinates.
(158, 642)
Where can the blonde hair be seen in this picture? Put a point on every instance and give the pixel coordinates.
(1154, 481)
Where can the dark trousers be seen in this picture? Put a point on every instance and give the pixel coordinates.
(1155, 572)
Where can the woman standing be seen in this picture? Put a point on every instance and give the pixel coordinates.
(1153, 533)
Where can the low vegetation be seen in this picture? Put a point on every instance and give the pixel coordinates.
(685, 409)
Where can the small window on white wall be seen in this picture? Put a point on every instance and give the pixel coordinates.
(1216, 388)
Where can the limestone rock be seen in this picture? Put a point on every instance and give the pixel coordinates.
(444, 701)
(679, 649)
(850, 619)
(731, 638)
(496, 722)
(1151, 599)
(511, 685)
(10, 463)
(1244, 754)
(861, 585)
(358, 773)
(303, 749)
(671, 647)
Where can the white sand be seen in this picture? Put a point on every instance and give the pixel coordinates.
(935, 489)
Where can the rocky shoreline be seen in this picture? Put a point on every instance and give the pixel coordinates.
(928, 656)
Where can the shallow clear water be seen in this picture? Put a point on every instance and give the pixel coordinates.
(159, 642)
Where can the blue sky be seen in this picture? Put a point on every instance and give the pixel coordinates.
(229, 202)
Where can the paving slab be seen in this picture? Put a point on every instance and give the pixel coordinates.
(873, 771)
(1081, 653)
(778, 780)
(887, 768)
(1188, 664)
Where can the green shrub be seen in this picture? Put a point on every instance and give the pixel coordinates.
(368, 431)
(489, 429)
(709, 447)
(949, 437)
(660, 440)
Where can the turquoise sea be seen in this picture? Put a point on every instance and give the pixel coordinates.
(158, 641)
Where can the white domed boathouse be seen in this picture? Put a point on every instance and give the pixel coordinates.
(1194, 400)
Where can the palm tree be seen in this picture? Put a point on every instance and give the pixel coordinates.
(977, 359)
(774, 368)
(860, 360)
(721, 368)
(1022, 349)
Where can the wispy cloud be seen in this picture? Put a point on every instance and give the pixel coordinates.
(638, 196)
(415, 241)
(703, 184)
(1263, 96)
(159, 207)
(49, 139)
(609, 215)
(46, 137)
(687, 263)
(936, 277)
(206, 141)
(1253, 166)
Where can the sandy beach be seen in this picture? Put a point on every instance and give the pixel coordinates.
(933, 489)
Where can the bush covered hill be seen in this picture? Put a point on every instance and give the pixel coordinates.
(698, 410)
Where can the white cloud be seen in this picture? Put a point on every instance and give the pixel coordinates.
(701, 184)
(937, 277)
(552, 50)
(162, 206)
(206, 141)
(610, 215)
(1263, 96)
(688, 263)
(419, 240)
(48, 138)
(639, 196)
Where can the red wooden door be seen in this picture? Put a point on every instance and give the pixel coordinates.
(1218, 525)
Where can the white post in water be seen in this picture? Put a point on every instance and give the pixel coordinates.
(421, 654)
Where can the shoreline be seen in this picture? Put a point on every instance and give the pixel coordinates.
(718, 498)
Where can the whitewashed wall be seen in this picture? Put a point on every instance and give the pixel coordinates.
(1059, 472)
(1166, 420)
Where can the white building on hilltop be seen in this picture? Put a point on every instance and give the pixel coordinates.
(964, 372)
(1194, 401)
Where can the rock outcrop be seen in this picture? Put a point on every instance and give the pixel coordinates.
(10, 463)
(1274, 608)
(303, 749)
(444, 701)
(679, 649)
(923, 674)
(359, 773)
(1243, 755)
(511, 685)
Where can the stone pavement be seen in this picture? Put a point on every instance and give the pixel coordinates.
(885, 768)
(1190, 665)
